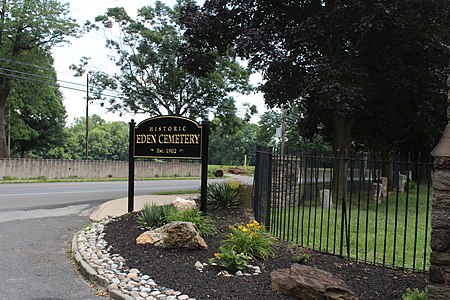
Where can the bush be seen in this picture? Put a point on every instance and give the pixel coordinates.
(251, 240)
(221, 195)
(154, 216)
(230, 260)
(203, 223)
(415, 294)
(300, 255)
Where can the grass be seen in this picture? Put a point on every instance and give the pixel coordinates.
(394, 232)
(181, 192)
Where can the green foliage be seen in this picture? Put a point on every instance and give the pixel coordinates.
(299, 254)
(229, 259)
(28, 29)
(251, 240)
(149, 55)
(203, 223)
(221, 195)
(154, 216)
(415, 294)
(231, 138)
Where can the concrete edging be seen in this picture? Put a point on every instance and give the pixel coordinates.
(92, 275)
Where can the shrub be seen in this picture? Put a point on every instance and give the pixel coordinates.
(415, 294)
(251, 240)
(221, 195)
(230, 260)
(203, 223)
(299, 254)
(154, 216)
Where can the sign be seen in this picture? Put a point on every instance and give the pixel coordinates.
(168, 137)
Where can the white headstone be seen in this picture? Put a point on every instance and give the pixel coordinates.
(402, 182)
(326, 198)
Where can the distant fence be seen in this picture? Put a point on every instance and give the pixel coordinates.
(53, 168)
(344, 206)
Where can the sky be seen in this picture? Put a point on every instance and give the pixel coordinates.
(92, 45)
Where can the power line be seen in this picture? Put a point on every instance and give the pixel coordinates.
(54, 82)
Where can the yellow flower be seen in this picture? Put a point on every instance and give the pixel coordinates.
(244, 229)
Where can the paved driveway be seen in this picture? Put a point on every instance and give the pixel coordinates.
(34, 263)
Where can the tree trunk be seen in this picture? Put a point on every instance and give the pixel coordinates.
(387, 169)
(342, 143)
(4, 92)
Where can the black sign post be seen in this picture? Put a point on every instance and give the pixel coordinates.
(205, 145)
(168, 137)
(131, 168)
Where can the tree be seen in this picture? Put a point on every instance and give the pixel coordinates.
(324, 55)
(329, 57)
(27, 27)
(151, 78)
(228, 146)
(36, 114)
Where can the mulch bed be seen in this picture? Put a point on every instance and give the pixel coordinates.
(175, 268)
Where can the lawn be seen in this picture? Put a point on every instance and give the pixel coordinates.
(393, 232)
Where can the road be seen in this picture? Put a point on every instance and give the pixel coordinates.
(37, 222)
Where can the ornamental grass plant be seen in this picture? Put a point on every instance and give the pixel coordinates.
(203, 223)
(154, 216)
(252, 240)
(222, 195)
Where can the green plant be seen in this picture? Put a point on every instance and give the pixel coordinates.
(221, 195)
(203, 223)
(415, 294)
(9, 178)
(42, 177)
(252, 240)
(230, 259)
(410, 185)
(153, 216)
(299, 254)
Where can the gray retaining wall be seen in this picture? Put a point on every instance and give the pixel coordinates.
(54, 168)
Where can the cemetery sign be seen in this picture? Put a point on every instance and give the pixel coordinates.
(168, 137)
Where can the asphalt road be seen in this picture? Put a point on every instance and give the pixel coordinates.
(62, 194)
(37, 222)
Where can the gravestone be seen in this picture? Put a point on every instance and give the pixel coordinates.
(402, 178)
(325, 198)
(376, 192)
(384, 182)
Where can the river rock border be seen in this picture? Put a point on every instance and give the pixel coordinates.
(92, 256)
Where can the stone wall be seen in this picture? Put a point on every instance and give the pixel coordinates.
(439, 275)
(54, 168)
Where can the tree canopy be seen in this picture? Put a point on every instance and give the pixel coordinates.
(151, 78)
(350, 66)
(28, 29)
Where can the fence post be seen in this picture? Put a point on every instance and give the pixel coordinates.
(439, 275)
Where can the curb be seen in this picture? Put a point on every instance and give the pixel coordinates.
(91, 275)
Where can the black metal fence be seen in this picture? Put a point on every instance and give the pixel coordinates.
(346, 207)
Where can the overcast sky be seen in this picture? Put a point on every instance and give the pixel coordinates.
(93, 45)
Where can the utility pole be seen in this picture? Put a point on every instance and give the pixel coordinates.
(87, 116)
(283, 130)
(8, 149)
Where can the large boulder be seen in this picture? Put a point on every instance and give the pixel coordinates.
(184, 204)
(308, 283)
(174, 235)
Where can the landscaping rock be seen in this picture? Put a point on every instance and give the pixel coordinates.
(306, 283)
(183, 204)
(174, 235)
